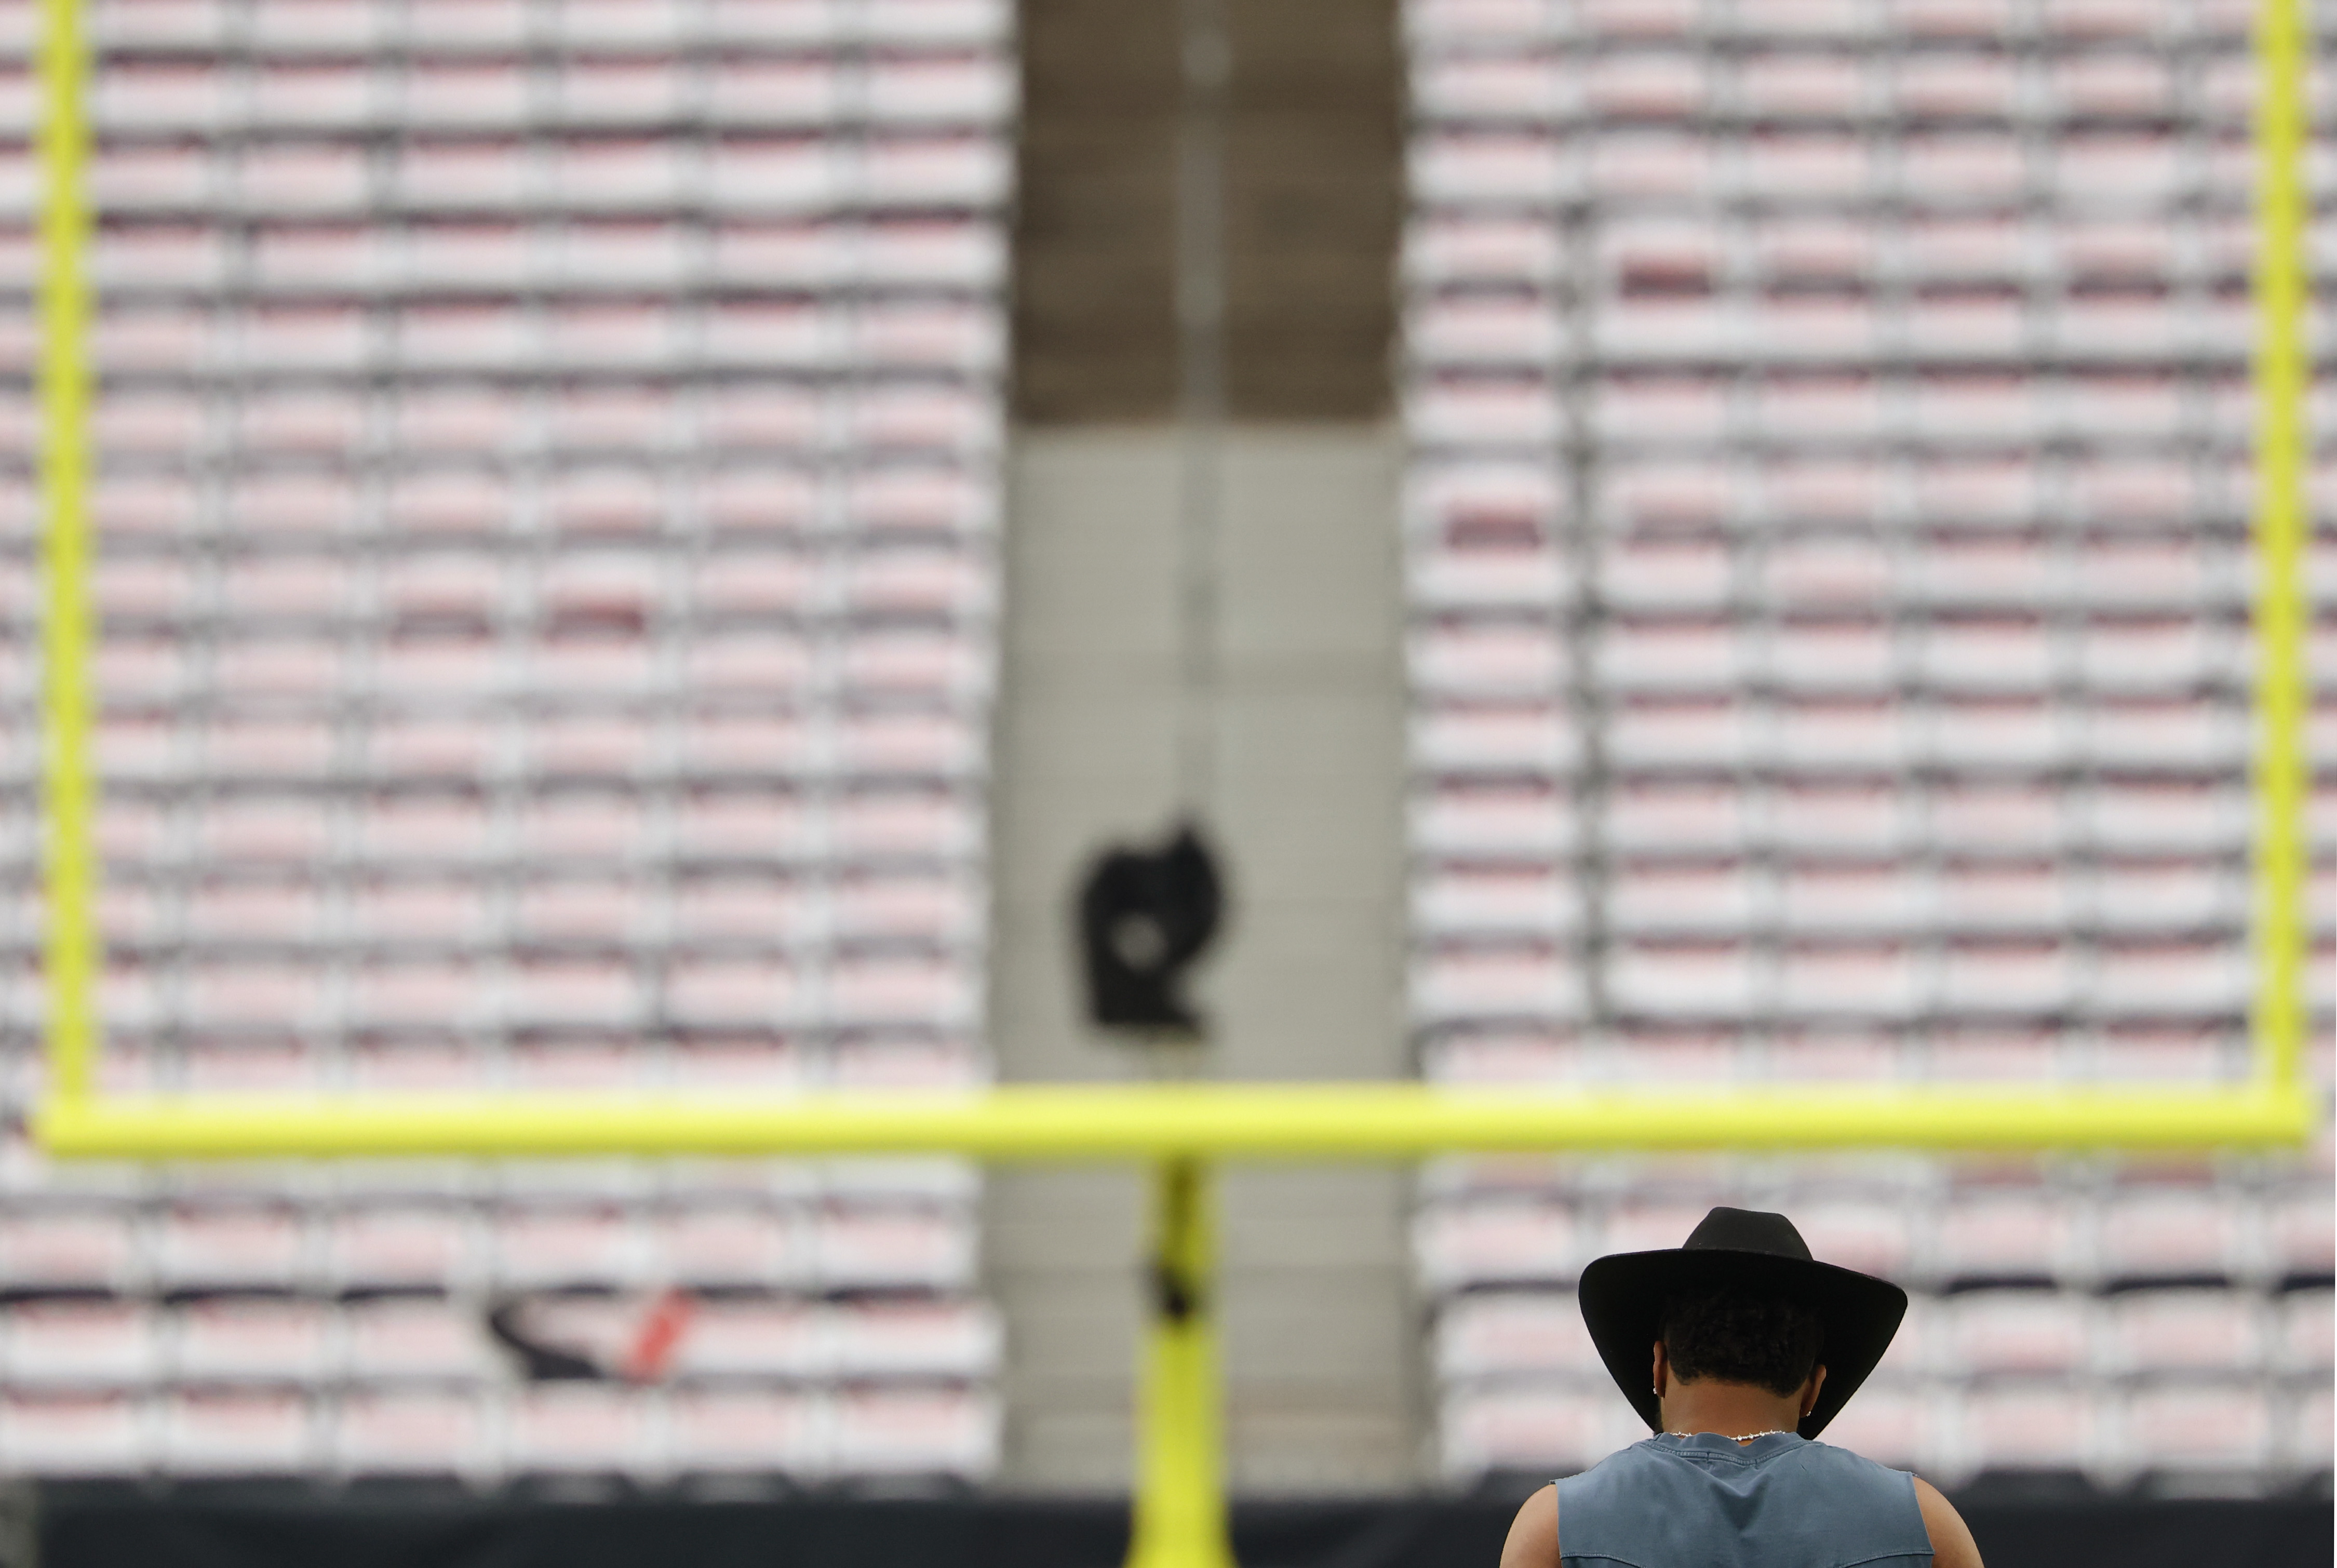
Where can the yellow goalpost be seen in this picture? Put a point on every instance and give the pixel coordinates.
(1180, 1128)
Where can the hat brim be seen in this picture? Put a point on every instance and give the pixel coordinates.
(1623, 1295)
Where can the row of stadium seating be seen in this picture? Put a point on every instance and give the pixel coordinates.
(1648, 171)
(82, 1342)
(1826, 680)
(1973, 1335)
(1949, 433)
(1962, 335)
(1884, 30)
(741, 909)
(1906, 1219)
(1840, 814)
(168, 544)
(2160, 979)
(1784, 260)
(811, 1435)
(290, 90)
(1942, 1049)
(2074, 86)
(461, 174)
(612, 27)
(2184, 1435)
(859, 433)
(278, 836)
(167, 344)
(759, 991)
(751, 743)
(859, 1243)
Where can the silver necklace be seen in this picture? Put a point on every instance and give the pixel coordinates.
(1747, 1437)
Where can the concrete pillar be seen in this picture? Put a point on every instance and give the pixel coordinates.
(1304, 800)
(1322, 1338)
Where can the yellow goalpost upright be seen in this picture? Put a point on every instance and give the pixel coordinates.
(1181, 1127)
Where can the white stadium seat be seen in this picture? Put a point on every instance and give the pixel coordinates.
(83, 1343)
(234, 1339)
(420, 1431)
(413, 1339)
(940, 1432)
(240, 1432)
(1547, 1431)
(1491, 1239)
(2185, 1330)
(2025, 1424)
(751, 1428)
(1509, 1333)
(2190, 1428)
(80, 1433)
(2020, 1331)
(554, 1427)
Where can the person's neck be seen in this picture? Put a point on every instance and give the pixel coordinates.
(1731, 1409)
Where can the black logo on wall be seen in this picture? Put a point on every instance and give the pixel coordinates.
(1145, 916)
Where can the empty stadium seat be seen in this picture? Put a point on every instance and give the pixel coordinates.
(554, 1427)
(2020, 1331)
(941, 1432)
(249, 1339)
(75, 1433)
(216, 1245)
(247, 1432)
(2185, 1330)
(751, 1428)
(2303, 1233)
(879, 1340)
(1544, 1431)
(756, 1338)
(1897, 1426)
(540, 1245)
(392, 1339)
(857, 1247)
(420, 1431)
(2190, 1428)
(1509, 1333)
(2160, 1230)
(83, 1343)
(1496, 1241)
(2028, 1425)
(83, 1247)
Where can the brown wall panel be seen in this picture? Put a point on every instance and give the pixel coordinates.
(1312, 191)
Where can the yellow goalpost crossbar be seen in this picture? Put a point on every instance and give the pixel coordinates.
(1149, 1120)
(1169, 1121)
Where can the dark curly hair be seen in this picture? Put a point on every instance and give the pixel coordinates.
(1738, 1335)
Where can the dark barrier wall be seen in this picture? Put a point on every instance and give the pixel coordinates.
(114, 1527)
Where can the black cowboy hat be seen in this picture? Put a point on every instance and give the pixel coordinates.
(1623, 1295)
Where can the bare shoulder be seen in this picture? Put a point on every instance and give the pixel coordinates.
(1533, 1533)
(1952, 1539)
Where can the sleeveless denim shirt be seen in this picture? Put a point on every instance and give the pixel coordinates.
(1706, 1502)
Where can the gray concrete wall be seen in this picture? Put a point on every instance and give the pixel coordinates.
(1322, 1341)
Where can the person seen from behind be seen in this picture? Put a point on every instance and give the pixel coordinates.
(1755, 1347)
